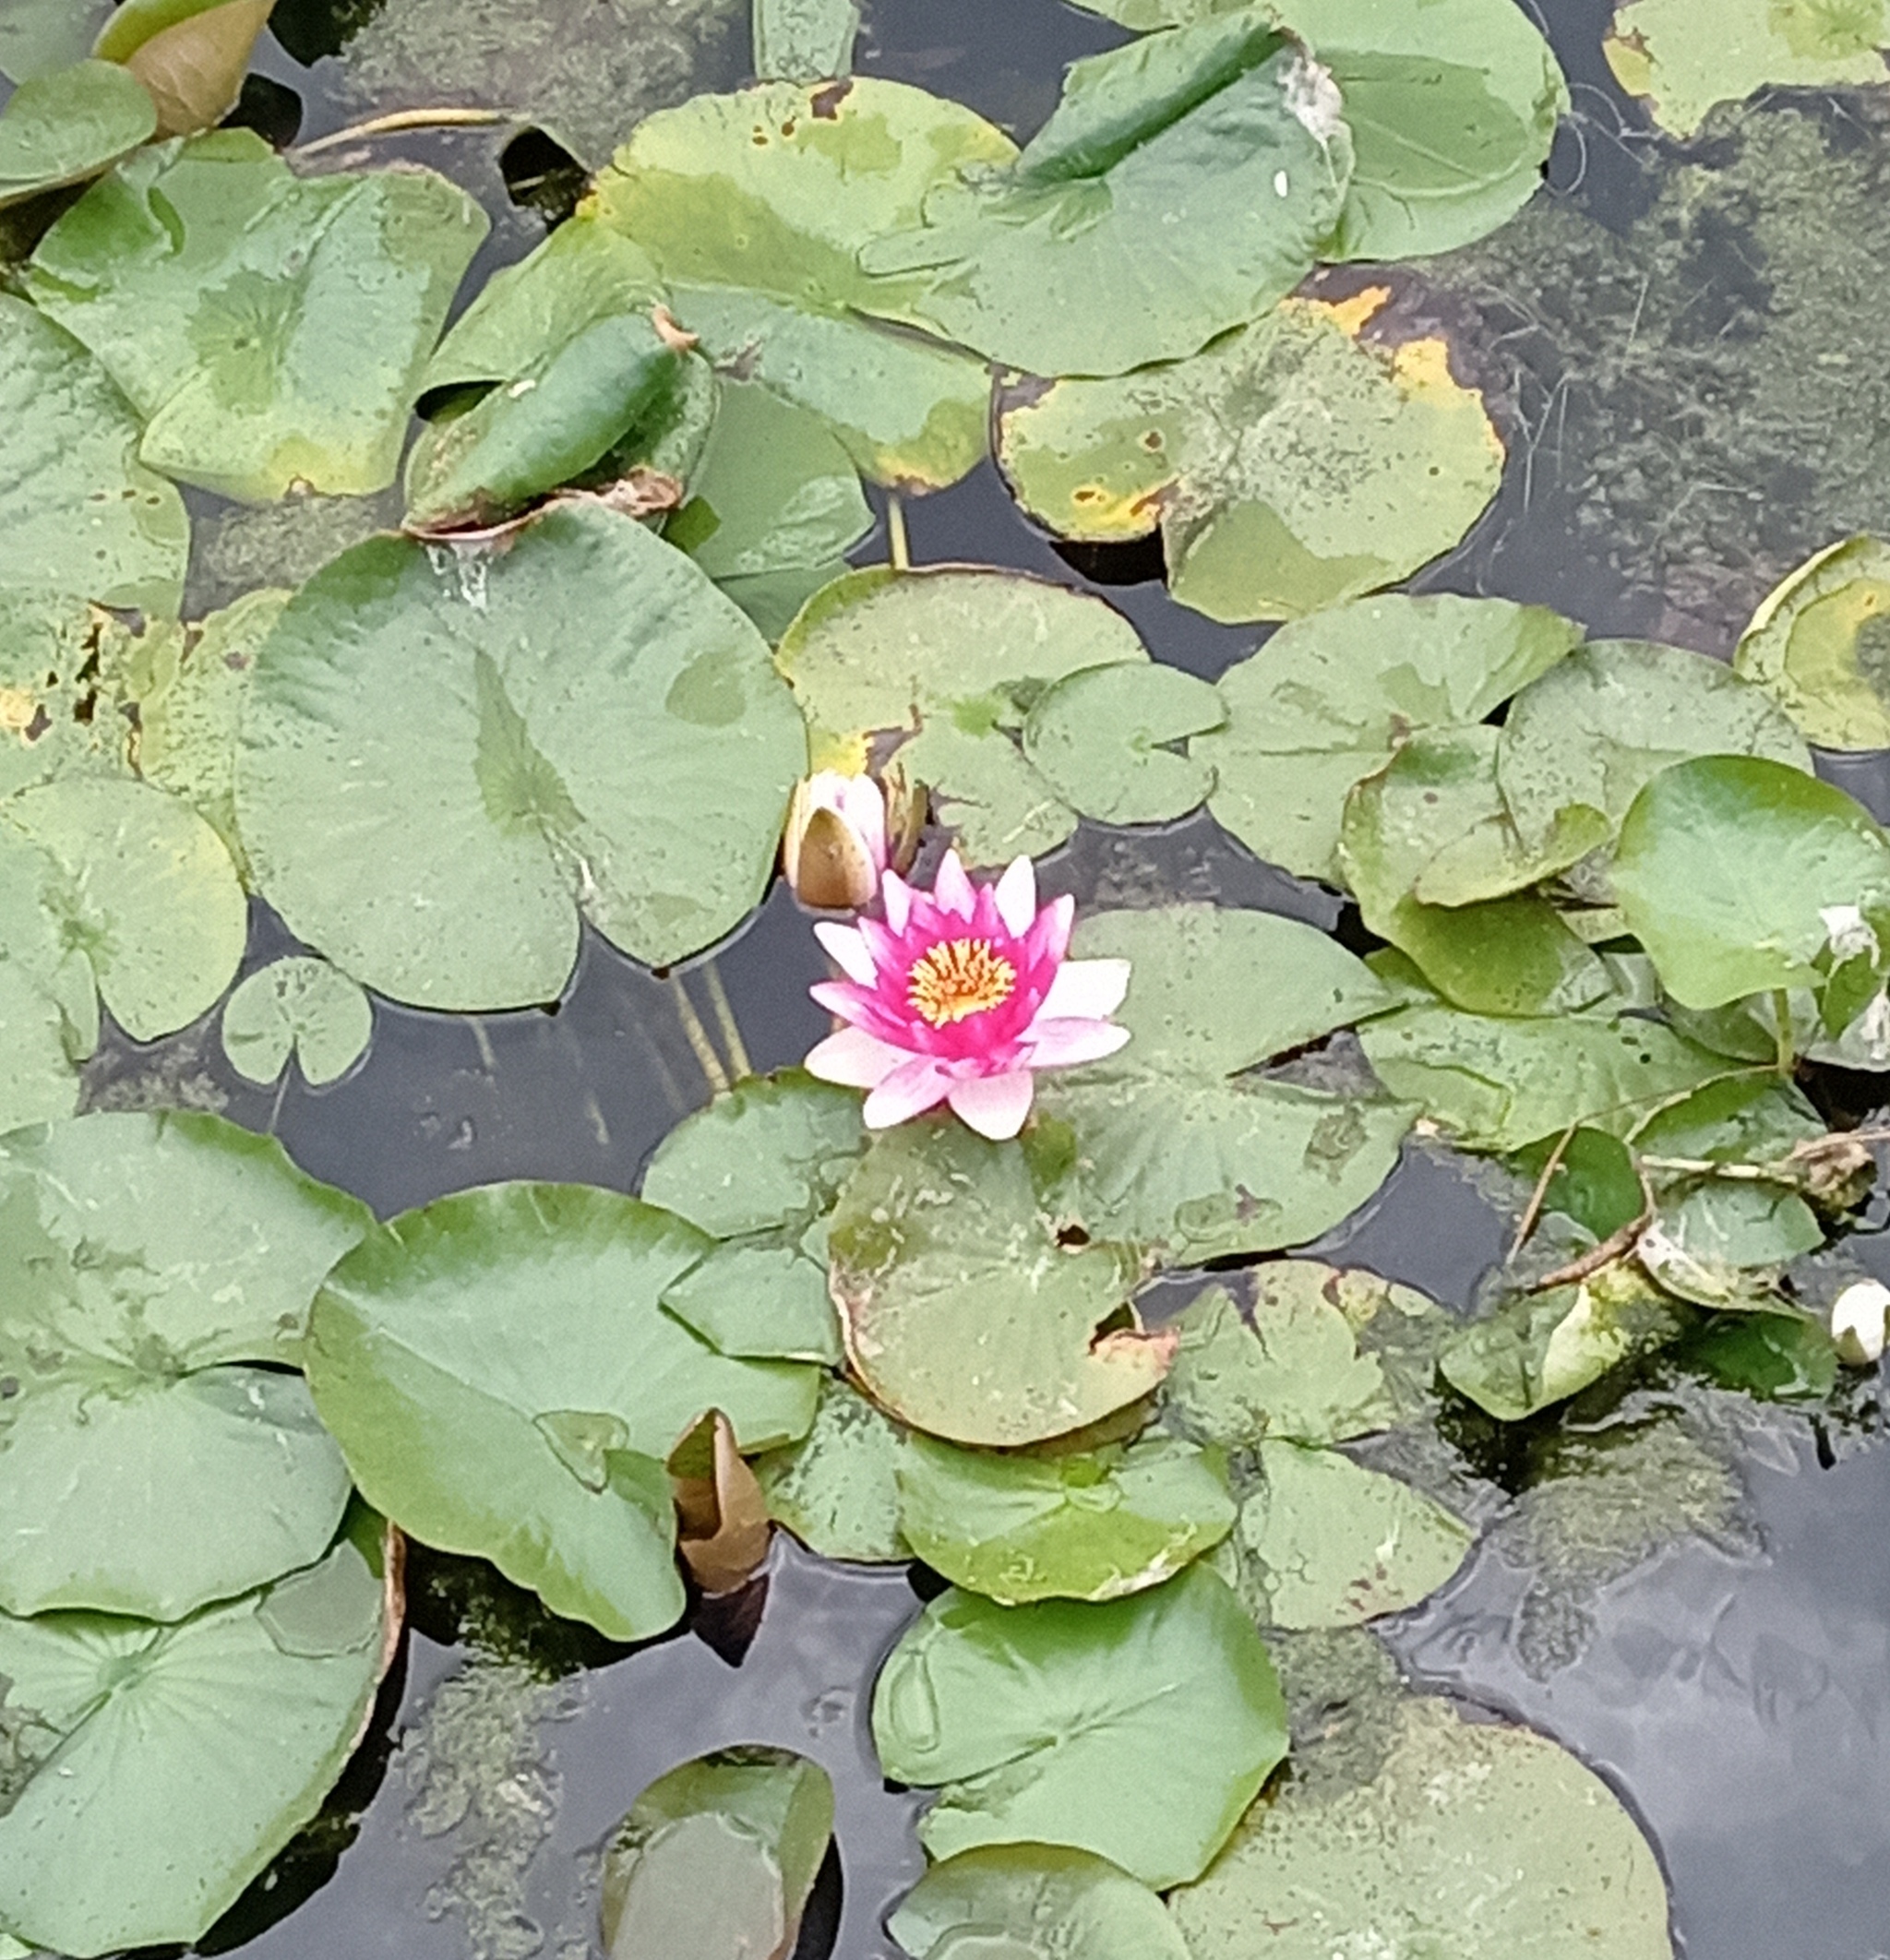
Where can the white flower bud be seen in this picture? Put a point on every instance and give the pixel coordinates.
(833, 850)
(1857, 1322)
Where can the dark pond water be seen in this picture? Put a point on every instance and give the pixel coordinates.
(1715, 1642)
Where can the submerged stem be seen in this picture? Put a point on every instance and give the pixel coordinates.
(897, 548)
(1781, 1015)
(732, 1041)
(697, 1038)
(401, 120)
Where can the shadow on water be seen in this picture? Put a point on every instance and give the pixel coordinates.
(1723, 1660)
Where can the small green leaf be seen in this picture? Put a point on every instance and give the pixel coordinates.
(301, 1007)
(803, 40)
(1719, 1243)
(1138, 1729)
(1046, 1901)
(759, 1299)
(65, 126)
(835, 1490)
(1544, 1347)
(1105, 740)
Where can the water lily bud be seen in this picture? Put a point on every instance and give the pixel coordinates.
(1857, 1322)
(835, 847)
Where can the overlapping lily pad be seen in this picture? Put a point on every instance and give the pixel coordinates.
(1183, 185)
(269, 330)
(1324, 704)
(81, 514)
(68, 126)
(836, 1490)
(1138, 1729)
(150, 1464)
(299, 1007)
(1291, 465)
(1819, 645)
(447, 758)
(1174, 1147)
(964, 1312)
(1039, 1902)
(156, 1770)
(1475, 1839)
(49, 1004)
(1084, 1524)
(953, 660)
(1543, 1348)
(1684, 57)
(752, 206)
(1106, 739)
(503, 1381)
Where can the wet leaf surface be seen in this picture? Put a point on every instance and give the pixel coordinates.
(490, 801)
(836, 1490)
(1138, 1729)
(1047, 1901)
(1541, 1348)
(1290, 466)
(804, 40)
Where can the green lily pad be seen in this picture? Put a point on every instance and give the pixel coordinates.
(144, 889)
(79, 511)
(836, 1489)
(953, 660)
(804, 40)
(36, 36)
(59, 661)
(503, 1382)
(1106, 739)
(1543, 1348)
(1594, 731)
(1183, 185)
(758, 1300)
(1326, 702)
(1725, 865)
(582, 724)
(149, 1262)
(1294, 1372)
(68, 126)
(1175, 1148)
(1045, 1900)
(1290, 466)
(1324, 1542)
(1682, 57)
(161, 1768)
(1501, 1083)
(1475, 1839)
(775, 492)
(752, 207)
(49, 1004)
(1720, 1244)
(1086, 1524)
(270, 329)
(718, 1857)
(1138, 1729)
(1434, 818)
(299, 1007)
(963, 1313)
(772, 1153)
(1453, 109)
(1820, 646)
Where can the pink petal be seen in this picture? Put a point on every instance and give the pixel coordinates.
(953, 889)
(1083, 989)
(1017, 896)
(897, 894)
(994, 1105)
(860, 801)
(855, 1060)
(913, 1087)
(1048, 939)
(849, 952)
(1063, 1044)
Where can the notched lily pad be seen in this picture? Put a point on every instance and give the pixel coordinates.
(1138, 1730)
(1107, 740)
(1820, 646)
(1291, 465)
(299, 1007)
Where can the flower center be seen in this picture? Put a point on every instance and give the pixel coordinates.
(957, 977)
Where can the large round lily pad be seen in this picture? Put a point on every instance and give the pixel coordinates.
(953, 660)
(269, 329)
(1138, 1729)
(146, 1264)
(80, 513)
(1290, 466)
(1182, 186)
(503, 1382)
(1477, 1840)
(447, 758)
(156, 1770)
(1324, 704)
(753, 206)
(963, 1313)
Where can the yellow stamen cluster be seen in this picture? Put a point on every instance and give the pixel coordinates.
(958, 977)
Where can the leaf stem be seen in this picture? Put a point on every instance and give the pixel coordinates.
(724, 1019)
(1533, 1210)
(898, 550)
(697, 1037)
(1781, 1015)
(401, 120)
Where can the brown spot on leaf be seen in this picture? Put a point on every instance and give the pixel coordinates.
(826, 102)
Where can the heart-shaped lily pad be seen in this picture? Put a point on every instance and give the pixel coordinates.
(1105, 740)
(448, 758)
(299, 1007)
(1138, 1729)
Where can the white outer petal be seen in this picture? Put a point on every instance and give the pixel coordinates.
(994, 1105)
(897, 895)
(855, 1060)
(952, 888)
(862, 803)
(1084, 990)
(848, 951)
(1017, 896)
(917, 1084)
(1063, 1044)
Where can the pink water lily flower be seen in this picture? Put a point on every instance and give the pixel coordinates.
(959, 995)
